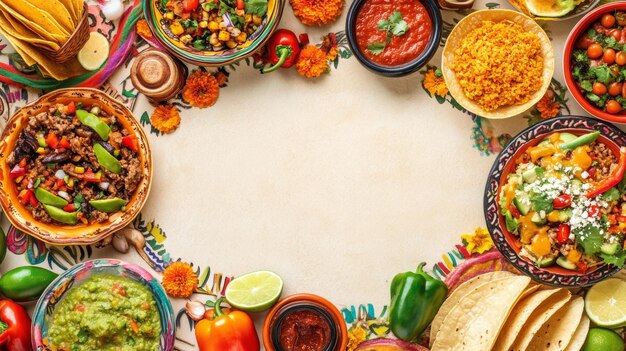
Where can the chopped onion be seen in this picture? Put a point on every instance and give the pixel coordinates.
(30, 184)
(104, 185)
(64, 195)
(60, 174)
(226, 18)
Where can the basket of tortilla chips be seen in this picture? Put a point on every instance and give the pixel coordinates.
(45, 32)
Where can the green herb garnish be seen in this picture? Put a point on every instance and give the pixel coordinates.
(394, 26)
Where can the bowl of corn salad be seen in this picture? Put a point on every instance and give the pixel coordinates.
(212, 32)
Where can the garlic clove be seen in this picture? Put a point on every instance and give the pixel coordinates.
(195, 310)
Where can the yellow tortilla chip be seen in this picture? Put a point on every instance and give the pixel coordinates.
(79, 7)
(557, 332)
(457, 295)
(69, 6)
(34, 28)
(475, 322)
(520, 315)
(22, 33)
(24, 11)
(578, 339)
(56, 10)
(537, 319)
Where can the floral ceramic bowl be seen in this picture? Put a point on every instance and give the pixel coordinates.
(83, 271)
(581, 9)
(191, 55)
(78, 234)
(505, 164)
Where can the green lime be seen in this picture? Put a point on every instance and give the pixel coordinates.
(254, 292)
(600, 339)
(605, 303)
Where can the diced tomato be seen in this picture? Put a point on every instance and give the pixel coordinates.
(80, 307)
(562, 201)
(240, 5)
(59, 183)
(18, 171)
(514, 211)
(612, 219)
(52, 140)
(91, 177)
(33, 200)
(69, 208)
(131, 142)
(71, 108)
(190, 5)
(594, 211)
(563, 233)
(592, 172)
(134, 326)
(621, 219)
(64, 143)
(582, 267)
(117, 289)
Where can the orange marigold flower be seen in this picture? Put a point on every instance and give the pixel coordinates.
(222, 78)
(332, 54)
(143, 29)
(435, 85)
(316, 12)
(312, 62)
(179, 280)
(165, 118)
(201, 89)
(548, 107)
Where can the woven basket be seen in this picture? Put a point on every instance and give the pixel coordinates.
(76, 41)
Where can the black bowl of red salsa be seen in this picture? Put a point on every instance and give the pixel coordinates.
(394, 38)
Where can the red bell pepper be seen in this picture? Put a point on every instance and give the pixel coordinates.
(70, 109)
(69, 208)
(91, 177)
(227, 331)
(18, 171)
(52, 140)
(612, 180)
(240, 5)
(131, 142)
(282, 50)
(190, 5)
(14, 327)
(64, 143)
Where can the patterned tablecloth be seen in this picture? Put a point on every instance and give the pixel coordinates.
(335, 183)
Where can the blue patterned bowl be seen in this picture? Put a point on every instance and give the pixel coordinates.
(504, 241)
(83, 271)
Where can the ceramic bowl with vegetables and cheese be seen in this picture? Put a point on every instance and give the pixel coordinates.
(212, 33)
(104, 305)
(594, 62)
(75, 166)
(554, 201)
(554, 10)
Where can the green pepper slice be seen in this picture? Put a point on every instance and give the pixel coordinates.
(61, 216)
(48, 198)
(108, 205)
(106, 160)
(95, 123)
(25, 283)
(580, 141)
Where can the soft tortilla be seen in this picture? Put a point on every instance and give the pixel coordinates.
(520, 315)
(556, 333)
(471, 22)
(474, 323)
(580, 335)
(458, 294)
(23, 33)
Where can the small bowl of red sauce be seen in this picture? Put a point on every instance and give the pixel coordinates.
(394, 38)
(304, 322)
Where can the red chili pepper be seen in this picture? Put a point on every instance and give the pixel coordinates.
(64, 143)
(71, 108)
(69, 208)
(282, 50)
(52, 140)
(514, 211)
(582, 267)
(18, 171)
(240, 5)
(612, 180)
(131, 142)
(593, 211)
(562, 201)
(16, 337)
(190, 5)
(563, 233)
(33, 200)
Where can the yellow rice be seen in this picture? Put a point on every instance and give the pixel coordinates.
(499, 64)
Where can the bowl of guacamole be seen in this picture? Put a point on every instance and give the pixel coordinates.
(106, 305)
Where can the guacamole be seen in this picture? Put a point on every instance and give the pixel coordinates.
(106, 313)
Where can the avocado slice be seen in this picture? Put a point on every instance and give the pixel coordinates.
(567, 137)
(529, 176)
(536, 218)
(565, 214)
(609, 248)
(546, 261)
(563, 262)
(522, 202)
(511, 223)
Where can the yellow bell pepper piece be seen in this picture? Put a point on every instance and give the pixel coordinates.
(540, 245)
(177, 28)
(574, 256)
(538, 152)
(553, 216)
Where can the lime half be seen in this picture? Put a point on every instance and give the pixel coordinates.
(600, 339)
(605, 303)
(550, 8)
(254, 292)
(95, 52)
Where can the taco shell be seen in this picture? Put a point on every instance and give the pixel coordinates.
(580, 335)
(466, 26)
(557, 332)
(457, 294)
(474, 323)
(19, 31)
(57, 10)
(26, 13)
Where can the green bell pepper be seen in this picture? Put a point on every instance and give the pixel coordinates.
(106, 160)
(61, 216)
(415, 300)
(48, 198)
(25, 283)
(92, 121)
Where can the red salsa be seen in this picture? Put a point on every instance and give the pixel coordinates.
(304, 330)
(400, 49)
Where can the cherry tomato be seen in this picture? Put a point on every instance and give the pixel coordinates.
(615, 88)
(593, 211)
(563, 234)
(624, 91)
(514, 211)
(582, 267)
(615, 70)
(584, 42)
(609, 56)
(616, 33)
(613, 107)
(592, 172)
(599, 88)
(594, 51)
(240, 5)
(190, 5)
(608, 21)
(621, 18)
(620, 58)
(562, 201)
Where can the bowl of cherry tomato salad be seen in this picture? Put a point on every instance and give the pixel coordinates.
(594, 62)
(75, 166)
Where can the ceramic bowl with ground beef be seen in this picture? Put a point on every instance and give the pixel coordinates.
(75, 166)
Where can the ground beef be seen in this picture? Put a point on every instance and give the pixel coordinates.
(605, 158)
(41, 215)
